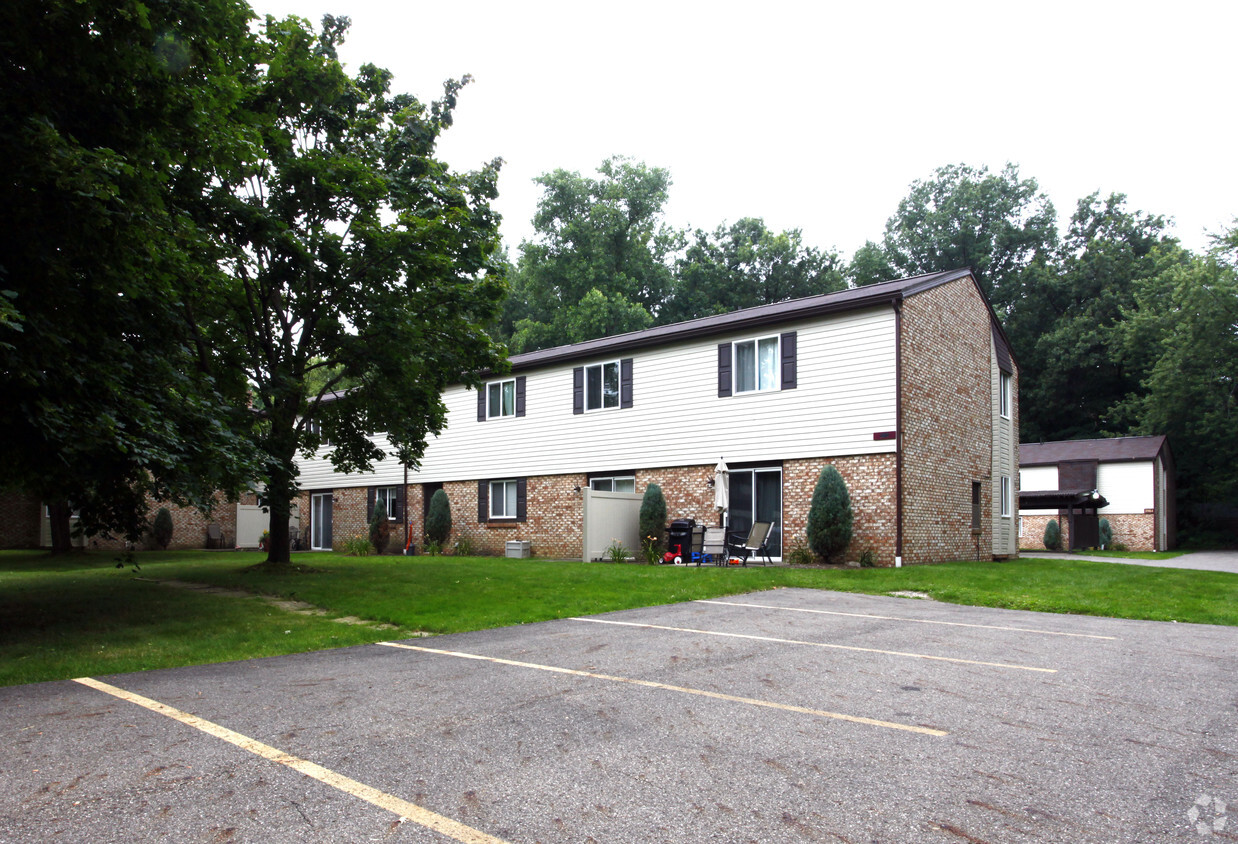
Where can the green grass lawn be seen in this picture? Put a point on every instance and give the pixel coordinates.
(62, 618)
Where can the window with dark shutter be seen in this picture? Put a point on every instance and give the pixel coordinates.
(522, 499)
(578, 390)
(481, 404)
(483, 501)
(625, 382)
(724, 370)
(370, 494)
(520, 395)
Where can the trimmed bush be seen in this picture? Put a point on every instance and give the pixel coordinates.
(653, 516)
(163, 527)
(380, 529)
(438, 519)
(1053, 536)
(1106, 533)
(829, 516)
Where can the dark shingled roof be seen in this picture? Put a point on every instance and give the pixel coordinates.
(780, 312)
(1110, 450)
(1060, 499)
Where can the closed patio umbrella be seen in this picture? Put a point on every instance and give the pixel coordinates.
(722, 492)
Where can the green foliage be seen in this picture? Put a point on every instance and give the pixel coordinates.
(1053, 536)
(438, 519)
(799, 554)
(464, 546)
(1106, 533)
(616, 553)
(380, 529)
(163, 527)
(433, 549)
(868, 558)
(829, 515)
(649, 550)
(653, 517)
(355, 546)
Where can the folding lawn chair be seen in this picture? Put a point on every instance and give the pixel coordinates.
(713, 546)
(753, 544)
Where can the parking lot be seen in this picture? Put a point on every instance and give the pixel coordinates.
(784, 716)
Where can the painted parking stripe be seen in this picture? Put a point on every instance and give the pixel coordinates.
(819, 645)
(649, 684)
(402, 808)
(912, 620)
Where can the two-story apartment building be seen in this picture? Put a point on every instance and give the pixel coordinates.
(908, 387)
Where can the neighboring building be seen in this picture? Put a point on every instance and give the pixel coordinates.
(1135, 476)
(908, 387)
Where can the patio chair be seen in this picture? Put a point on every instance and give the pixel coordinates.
(753, 544)
(214, 536)
(713, 546)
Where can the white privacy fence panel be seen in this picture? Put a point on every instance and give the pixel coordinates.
(610, 517)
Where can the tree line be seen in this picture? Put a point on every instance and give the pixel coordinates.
(1118, 329)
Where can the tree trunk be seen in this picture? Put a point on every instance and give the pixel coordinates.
(279, 544)
(58, 517)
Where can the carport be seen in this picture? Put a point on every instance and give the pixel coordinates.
(1080, 507)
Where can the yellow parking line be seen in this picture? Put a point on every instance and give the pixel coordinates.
(402, 808)
(649, 684)
(820, 645)
(913, 620)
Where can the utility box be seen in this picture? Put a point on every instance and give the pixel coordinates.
(519, 549)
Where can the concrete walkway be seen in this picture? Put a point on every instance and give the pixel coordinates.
(1226, 561)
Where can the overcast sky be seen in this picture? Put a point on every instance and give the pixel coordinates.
(819, 116)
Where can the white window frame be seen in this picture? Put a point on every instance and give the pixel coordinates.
(504, 485)
(613, 480)
(385, 495)
(600, 369)
(1005, 393)
(758, 386)
(500, 412)
(1006, 496)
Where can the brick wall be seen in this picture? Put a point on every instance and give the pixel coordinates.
(19, 520)
(1137, 531)
(947, 424)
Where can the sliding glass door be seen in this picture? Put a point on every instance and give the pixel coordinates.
(756, 496)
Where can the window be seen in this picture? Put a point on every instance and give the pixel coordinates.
(1005, 394)
(387, 500)
(503, 499)
(602, 386)
(313, 426)
(756, 365)
(501, 398)
(1006, 496)
(614, 483)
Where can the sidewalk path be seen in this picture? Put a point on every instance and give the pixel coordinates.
(1226, 561)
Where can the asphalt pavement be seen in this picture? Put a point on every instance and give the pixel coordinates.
(785, 716)
(1226, 561)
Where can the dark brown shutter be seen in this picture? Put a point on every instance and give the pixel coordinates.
(522, 497)
(327, 534)
(371, 493)
(520, 395)
(578, 390)
(625, 382)
(483, 501)
(724, 370)
(397, 505)
(481, 403)
(788, 361)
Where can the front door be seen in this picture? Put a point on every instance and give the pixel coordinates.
(756, 496)
(320, 521)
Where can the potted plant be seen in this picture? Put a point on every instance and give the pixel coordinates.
(265, 540)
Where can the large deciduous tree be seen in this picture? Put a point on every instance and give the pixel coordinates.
(114, 113)
(349, 250)
(599, 263)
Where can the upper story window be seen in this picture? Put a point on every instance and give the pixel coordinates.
(501, 398)
(756, 365)
(1006, 394)
(602, 386)
(313, 426)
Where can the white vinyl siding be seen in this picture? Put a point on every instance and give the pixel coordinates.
(1038, 479)
(1128, 487)
(845, 394)
(1005, 465)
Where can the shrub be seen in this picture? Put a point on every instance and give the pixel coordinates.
(868, 559)
(380, 528)
(799, 554)
(357, 546)
(616, 553)
(1053, 536)
(1106, 533)
(433, 548)
(163, 527)
(653, 515)
(464, 547)
(438, 519)
(829, 516)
